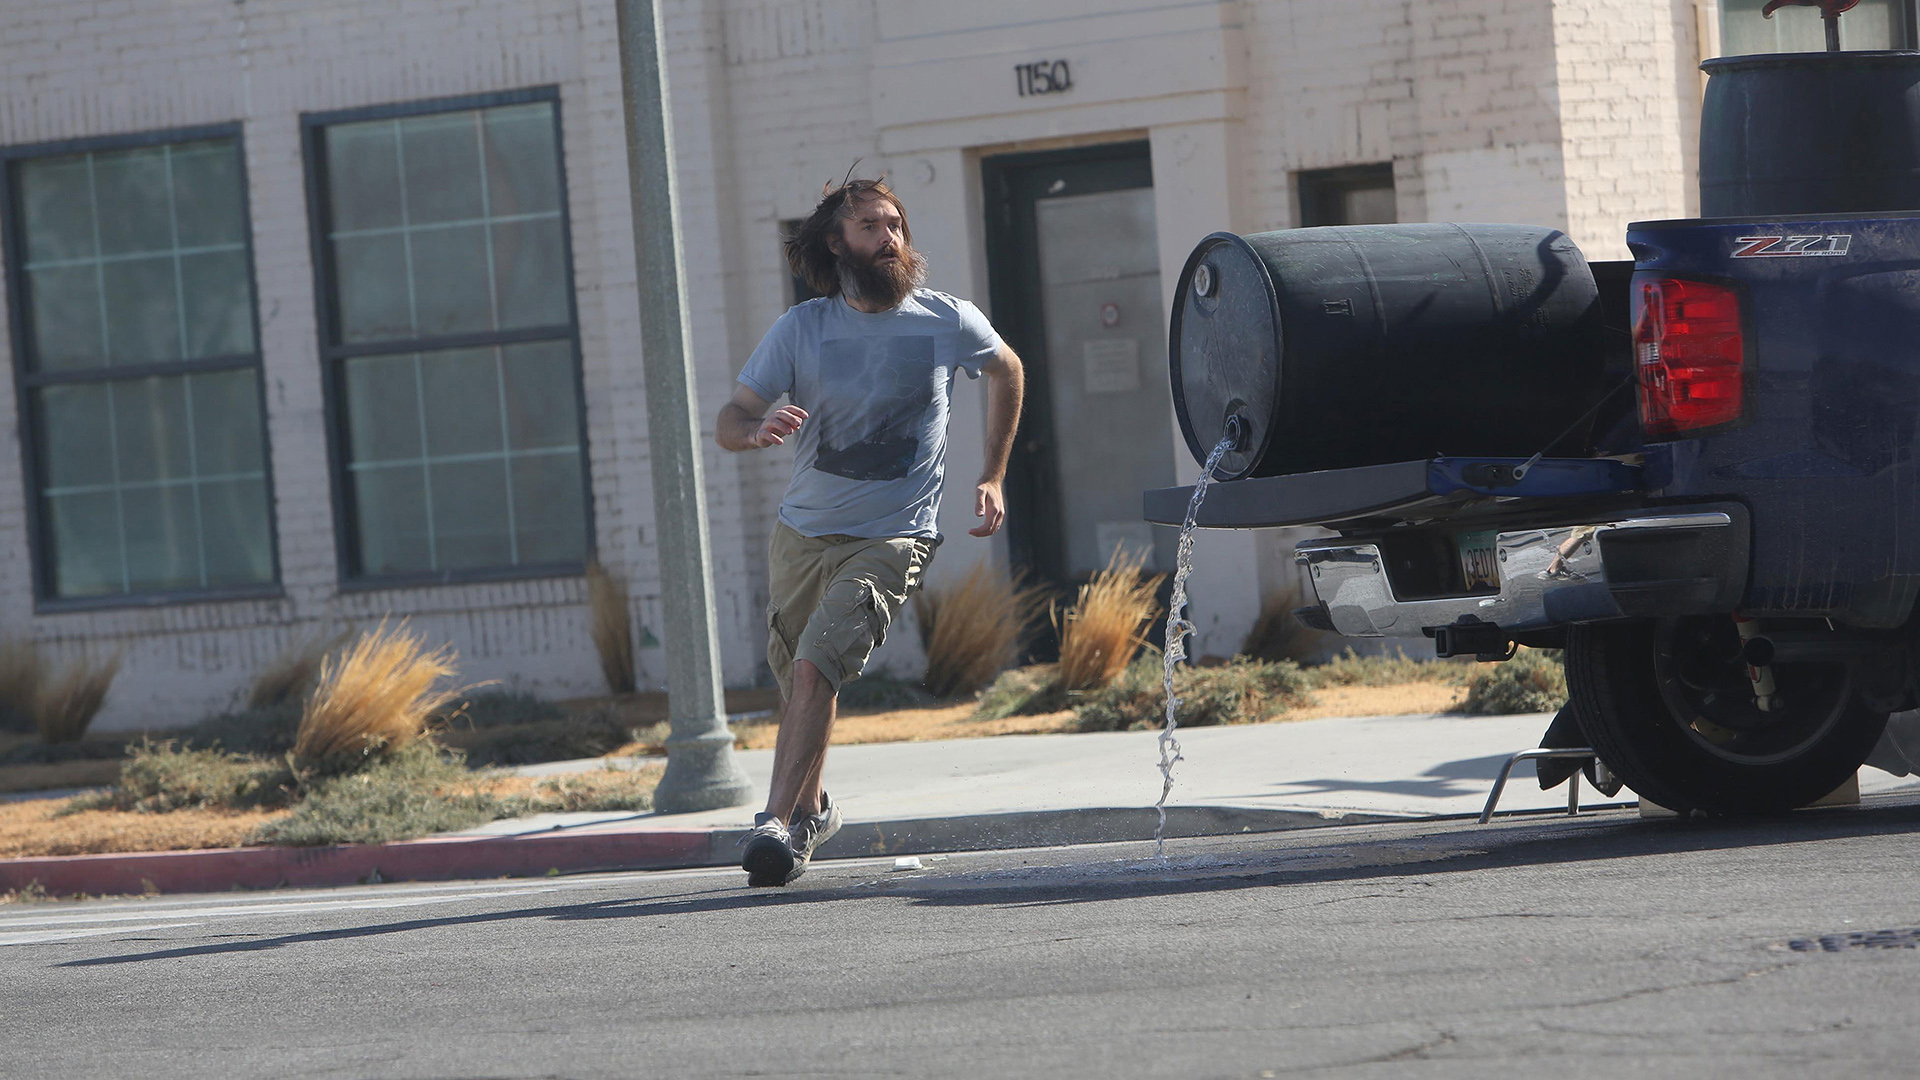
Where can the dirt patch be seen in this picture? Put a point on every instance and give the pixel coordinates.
(29, 829)
(59, 775)
(1399, 700)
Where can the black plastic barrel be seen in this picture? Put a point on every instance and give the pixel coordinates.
(1810, 133)
(1358, 345)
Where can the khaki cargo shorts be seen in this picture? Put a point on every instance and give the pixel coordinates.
(834, 597)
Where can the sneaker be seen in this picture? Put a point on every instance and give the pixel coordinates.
(769, 858)
(811, 830)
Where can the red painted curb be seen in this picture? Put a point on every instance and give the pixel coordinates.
(433, 859)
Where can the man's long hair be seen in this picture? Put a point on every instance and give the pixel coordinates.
(810, 256)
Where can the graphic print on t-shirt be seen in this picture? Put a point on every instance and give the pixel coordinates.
(874, 395)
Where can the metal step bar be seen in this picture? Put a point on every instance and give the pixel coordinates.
(1573, 782)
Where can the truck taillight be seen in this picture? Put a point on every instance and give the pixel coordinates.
(1691, 355)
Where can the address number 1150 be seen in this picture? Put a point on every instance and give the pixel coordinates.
(1043, 77)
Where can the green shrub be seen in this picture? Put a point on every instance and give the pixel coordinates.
(1533, 681)
(158, 777)
(562, 737)
(1351, 669)
(267, 730)
(411, 791)
(883, 692)
(1026, 691)
(502, 708)
(1240, 692)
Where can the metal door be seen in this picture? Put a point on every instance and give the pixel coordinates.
(1076, 291)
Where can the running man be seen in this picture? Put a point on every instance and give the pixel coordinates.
(866, 369)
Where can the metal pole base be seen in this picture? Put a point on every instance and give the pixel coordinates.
(702, 775)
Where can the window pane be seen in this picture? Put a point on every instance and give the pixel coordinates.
(130, 197)
(470, 522)
(542, 406)
(442, 155)
(522, 177)
(549, 508)
(56, 208)
(227, 434)
(391, 510)
(363, 175)
(450, 280)
(75, 450)
(132, 468)
(530, 280)
(371, 288)
(1874, 24)
(383, 410)
(219, 303)
(462, 401)
(65, 330)
(152, 431)
(208, 207)
(162, 537)
(239, 547)
(83, 532)
(143, 311)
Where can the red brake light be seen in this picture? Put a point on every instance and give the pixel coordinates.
(1691, 355)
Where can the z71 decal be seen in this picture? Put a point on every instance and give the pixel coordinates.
(1786, 247)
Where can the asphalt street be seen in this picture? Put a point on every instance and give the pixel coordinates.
(1532, 947)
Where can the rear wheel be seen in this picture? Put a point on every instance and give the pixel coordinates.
(1670, 708)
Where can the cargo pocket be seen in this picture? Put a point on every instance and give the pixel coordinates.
(850, 626)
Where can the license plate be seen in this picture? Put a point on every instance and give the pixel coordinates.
(1478, 563)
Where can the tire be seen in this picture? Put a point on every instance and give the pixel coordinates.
(1670, 710)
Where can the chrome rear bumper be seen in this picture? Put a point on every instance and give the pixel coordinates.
(1548, 577)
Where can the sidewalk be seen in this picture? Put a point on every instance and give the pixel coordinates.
(970, 794)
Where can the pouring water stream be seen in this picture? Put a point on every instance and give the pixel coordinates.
(1178, 627)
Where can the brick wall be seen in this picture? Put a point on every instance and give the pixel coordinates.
(1564, 112)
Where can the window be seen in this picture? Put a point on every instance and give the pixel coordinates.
(138, 368)
(450, 338)
(1874, 24)
(1357, 195)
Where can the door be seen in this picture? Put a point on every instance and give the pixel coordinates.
(1075, 283)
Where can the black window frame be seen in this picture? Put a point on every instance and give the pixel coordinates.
(1316, 191)
(332, 367)
(45, 599)
(1910, 16)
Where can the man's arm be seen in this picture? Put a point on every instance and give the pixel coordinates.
(1006, 387)
(745, 423)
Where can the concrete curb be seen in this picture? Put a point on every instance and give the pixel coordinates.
(602, 848)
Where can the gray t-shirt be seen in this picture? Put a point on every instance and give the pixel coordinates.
(871, 457)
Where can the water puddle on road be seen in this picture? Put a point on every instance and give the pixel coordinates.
(1178, 627)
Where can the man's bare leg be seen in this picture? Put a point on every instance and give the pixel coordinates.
(800, 748)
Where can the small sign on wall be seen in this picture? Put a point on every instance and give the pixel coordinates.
(1112, 365)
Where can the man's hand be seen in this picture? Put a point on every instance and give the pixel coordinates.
(989, 505)
(777, 425)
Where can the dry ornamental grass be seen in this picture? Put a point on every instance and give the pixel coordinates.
(378, 694)
(65, 707)
(973, 629)
(1105, 628)
(610, 627)
(21, 672)
(295, 673)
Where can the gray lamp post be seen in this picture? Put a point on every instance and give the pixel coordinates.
(701, 771)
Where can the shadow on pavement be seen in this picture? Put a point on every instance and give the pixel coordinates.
(1451, 851)
(1468, 776)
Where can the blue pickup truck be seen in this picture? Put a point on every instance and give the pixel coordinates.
(1695, 472)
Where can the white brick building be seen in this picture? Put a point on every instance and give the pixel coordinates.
(271, 379)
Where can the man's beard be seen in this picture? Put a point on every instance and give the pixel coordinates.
(884, 283)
